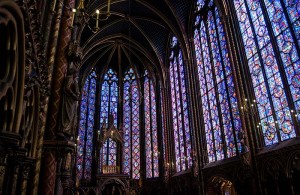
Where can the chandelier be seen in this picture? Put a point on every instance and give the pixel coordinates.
(82, 17)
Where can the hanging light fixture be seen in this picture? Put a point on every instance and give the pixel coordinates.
(82, 17)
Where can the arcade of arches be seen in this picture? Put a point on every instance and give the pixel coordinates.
(155, 97)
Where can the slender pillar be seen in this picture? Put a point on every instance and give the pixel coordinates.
(26, 171)
(59, 58)
(58, 61)
(11, 177)
(49, 171)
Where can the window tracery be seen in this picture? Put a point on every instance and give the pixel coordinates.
(86, 127)
(151, 142)
(270, 33)
(180, 113)
(131, 125)
(219, 102)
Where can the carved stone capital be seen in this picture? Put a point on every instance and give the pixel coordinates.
(27, 166)
(9, 140)
(64, 152)
(60, 146)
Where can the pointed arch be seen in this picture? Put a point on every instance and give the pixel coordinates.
(180, 113)
(151, 140)
(131, 125)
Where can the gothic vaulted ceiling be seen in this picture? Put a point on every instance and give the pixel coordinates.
(137, 32)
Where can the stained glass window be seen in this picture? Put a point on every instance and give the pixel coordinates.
(131, 125)
(219, 102)
(108, 93)
(270, 33)
(164, 134)
(109, 104)
(86, 128)
(180, 114)
(109, 153)
(150, 129)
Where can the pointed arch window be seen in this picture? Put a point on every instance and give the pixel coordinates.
(219, 102)
(131, 125)
(95, 114)
(151, 144)
(109, 104)
(109, 97)
(86, 127)
(271, 36)
(180, 113)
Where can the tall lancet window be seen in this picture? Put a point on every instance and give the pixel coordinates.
(271, 36)
(109, 104)
(164, 133)
(181, 127)
(150, 128)
(219, 102)
(131, 125)
(86, 127)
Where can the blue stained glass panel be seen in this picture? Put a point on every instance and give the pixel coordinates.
(293, 9)
(86, 126)
(127, 130)
(108, 104)
(81, 131)
(148, 140)
(219, 102)
(268, 86)
(180, 117)
(131, 126)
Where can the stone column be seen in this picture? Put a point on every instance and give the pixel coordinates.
(57, 167)
(59, 69)
(61, 34)
(66, 170)
(15, 158)
(3, 158)
(26, 171)
(49, 172)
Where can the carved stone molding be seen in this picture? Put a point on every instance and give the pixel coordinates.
(36, 68)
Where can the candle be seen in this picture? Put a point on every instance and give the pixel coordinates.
(73, 16)
(108, 7)
(97, 19)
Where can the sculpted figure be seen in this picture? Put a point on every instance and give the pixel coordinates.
(71, 97)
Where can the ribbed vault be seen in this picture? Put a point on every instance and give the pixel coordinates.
(137, 32)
